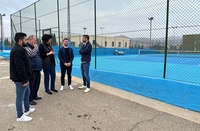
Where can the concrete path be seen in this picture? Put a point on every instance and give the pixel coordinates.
(104, 108)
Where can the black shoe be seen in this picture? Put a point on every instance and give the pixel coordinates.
(32, 103)
(54, 90)
(49, 92)
(37, 98)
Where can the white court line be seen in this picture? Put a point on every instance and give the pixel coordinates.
(6, 77)
(9, 105)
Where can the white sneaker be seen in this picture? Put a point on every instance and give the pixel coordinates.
(87, 90)
(24, 118)
(82, 87)
(30, 111)
(61, 88)
(70, 87)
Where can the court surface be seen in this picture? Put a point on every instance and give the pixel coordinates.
(181, 68)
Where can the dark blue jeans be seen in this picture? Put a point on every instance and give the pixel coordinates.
(47, 74)
(22, 95)
(85, 74)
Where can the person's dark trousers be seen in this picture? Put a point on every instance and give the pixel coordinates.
(69, 72)
(31, 81)
(36, 83)
(47, 74)
(85, 74)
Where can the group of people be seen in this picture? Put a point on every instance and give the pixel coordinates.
(27, 60)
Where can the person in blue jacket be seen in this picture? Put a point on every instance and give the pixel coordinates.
(85, 52)
(36, 66)
(66, 57)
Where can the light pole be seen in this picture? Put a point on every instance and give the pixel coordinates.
(1, 16)
(174, 27)
(102, 35)
(84, 28)
(150, 18)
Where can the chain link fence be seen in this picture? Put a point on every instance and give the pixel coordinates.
(133, 35)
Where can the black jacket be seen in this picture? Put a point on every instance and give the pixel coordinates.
(20, 70)
(62, 56)
(45, 48)
(85, 52)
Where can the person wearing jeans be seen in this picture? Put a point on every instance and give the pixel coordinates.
(85, 52)
(50, 72)
(22, 95)
(48, 63)
(20, 74)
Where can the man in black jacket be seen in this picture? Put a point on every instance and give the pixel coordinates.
(20, 73)
(36, 66)
(66, 56)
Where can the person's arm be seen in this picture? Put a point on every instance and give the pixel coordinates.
(85, 50)
(60, 56)
(72, 55)
(31, 52)
(42, 51)
(19, 63)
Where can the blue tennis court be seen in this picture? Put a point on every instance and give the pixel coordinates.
(181, 68)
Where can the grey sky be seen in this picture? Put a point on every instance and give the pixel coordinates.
(8, 7)
(128, 17)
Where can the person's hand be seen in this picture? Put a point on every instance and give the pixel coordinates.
(69, 64)
(66, 64)
(26, 84)
(51, 52)
(35, 45)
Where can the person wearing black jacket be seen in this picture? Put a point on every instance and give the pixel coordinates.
(85, 52)
(20, 74)
(36, 66)
(48, 63)
(66, 56)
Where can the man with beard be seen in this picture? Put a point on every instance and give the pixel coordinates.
(20, 73)
(66, 56)
(85, 52)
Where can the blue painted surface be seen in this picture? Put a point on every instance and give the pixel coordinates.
(185, 95)
(127, 73)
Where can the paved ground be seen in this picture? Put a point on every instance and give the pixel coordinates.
(102, 109)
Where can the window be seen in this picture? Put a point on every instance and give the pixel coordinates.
(119, 45)
(105, 43)
(125, 44)
(113, 44)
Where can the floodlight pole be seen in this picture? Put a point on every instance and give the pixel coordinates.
(68, 20)
(1, 16)
(84, 28)
(151, 18)
(102, 35)
(174, 27)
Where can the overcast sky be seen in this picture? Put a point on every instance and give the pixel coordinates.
(127, 16)
(8, 7)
